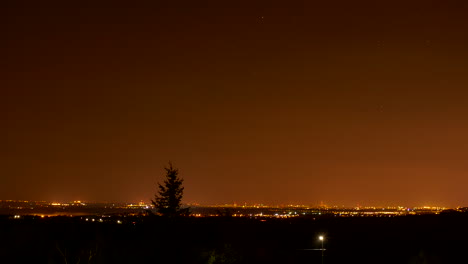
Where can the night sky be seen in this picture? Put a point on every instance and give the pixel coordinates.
(276, 102)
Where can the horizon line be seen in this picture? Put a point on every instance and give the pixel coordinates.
(234, 204)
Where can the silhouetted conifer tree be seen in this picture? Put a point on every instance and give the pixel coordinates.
(169, 196)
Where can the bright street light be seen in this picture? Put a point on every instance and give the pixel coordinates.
(321, 238)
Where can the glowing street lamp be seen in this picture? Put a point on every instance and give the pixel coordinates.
(321, 238)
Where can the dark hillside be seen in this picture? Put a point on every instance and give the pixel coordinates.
(408, 239)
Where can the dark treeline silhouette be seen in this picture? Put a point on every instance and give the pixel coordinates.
(156, 239)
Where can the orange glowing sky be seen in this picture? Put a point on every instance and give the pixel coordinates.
(345, 102)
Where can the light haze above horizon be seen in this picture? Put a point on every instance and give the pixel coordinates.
(274, 102)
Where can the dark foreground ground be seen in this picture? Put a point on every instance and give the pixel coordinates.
(408, 239)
